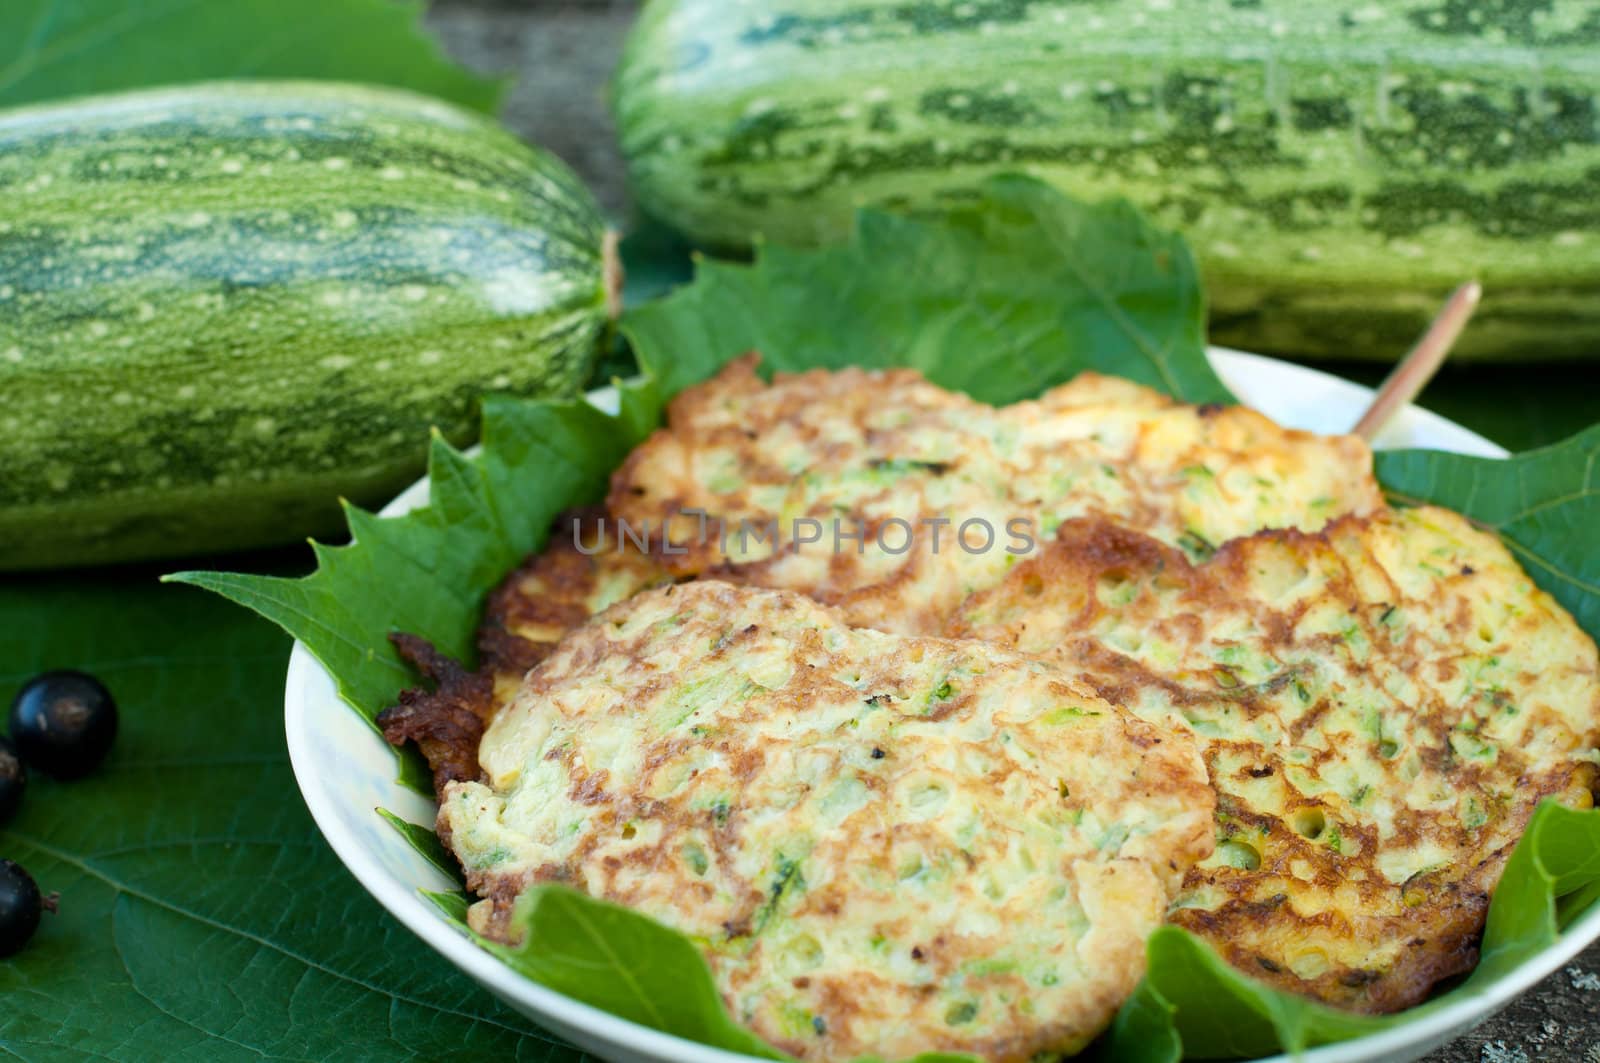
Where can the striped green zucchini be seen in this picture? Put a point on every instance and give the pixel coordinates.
(225, 305)
(1338, 166)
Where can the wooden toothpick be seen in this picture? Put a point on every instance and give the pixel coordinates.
(1417, 368)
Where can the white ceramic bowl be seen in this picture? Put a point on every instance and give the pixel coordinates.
(346, 772)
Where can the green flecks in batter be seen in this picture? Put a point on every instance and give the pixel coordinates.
(1068, 713)
(1474, 815)
(1471, 747)
(787, 880)
(1195, 546)
(961, 1013)
(1111, 841)
(1239, 855)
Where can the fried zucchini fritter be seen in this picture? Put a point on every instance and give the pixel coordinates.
(889, 444)
(883, 844)
(1383, 697)
(886, 446)
(1382, 705)
(553, 592)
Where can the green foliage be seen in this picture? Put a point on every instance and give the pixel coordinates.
(201, 914)
(213, 838)
(202, 917)
(1000, 300)
(623, 963)
(426, 573)
(54, 48)
(1544, 504)
(426, 843)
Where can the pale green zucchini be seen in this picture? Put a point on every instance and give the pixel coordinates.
(1338, 166)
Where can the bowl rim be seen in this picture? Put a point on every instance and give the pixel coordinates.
(1259, 376)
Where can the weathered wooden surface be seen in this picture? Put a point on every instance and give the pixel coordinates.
(561, 53)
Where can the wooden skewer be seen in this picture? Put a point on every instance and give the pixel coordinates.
(612, 271)
(1417, 368)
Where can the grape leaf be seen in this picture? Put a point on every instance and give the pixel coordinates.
(426, 573)
(1544, 504)
(659, 979)
(202, 917)
(990, 300)
(53, 48)
(426, 843)
(1001, 300)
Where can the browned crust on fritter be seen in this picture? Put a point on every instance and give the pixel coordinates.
(546, 592)
(555, 591)
(1438, 915)
(532, 609)
(447, 722)
(1441, 940)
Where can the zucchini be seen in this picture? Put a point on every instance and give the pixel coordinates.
(223, 306)
(1338, 166)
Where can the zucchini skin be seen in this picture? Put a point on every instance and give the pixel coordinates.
(1338, 167)
(225, 305)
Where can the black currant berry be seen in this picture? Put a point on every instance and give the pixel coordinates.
(13, 780)
(64, 723)
(20, 906)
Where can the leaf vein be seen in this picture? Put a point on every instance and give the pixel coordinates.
(149, 898)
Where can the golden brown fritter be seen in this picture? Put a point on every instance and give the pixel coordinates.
(1382, 705)
(836, 447)
(883, 844)
(552, 592)
(555, 591)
